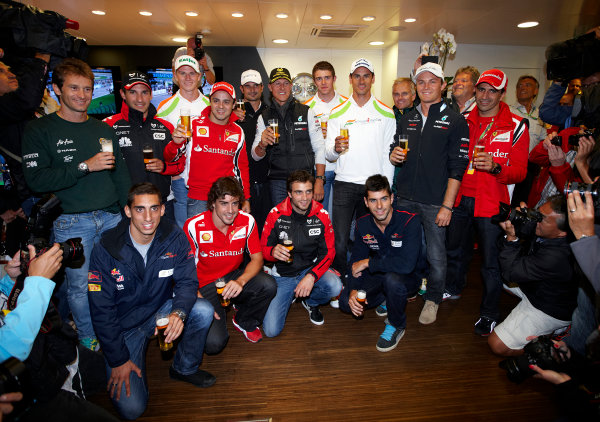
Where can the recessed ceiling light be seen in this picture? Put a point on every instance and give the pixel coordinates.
(410, 20)
(192, 14)
(281, 15)
(99, 12)
(180, 39)
(237, 15)
(326, 17)
(368, 18)
(376, 43)
(528, 24)
(145, 13)
(280, 41)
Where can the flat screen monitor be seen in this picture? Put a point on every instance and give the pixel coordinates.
(103, 98)
(161, 81)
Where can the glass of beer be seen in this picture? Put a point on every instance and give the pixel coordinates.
(361, 297)
(185, 120)
(479, 148)
(162, 321)
(220, 285)
(403, 143)
(274, 125)
(239, 104)
(106, 145)
(148, 153)
(324, 118)
(345, 138)
(289, 245)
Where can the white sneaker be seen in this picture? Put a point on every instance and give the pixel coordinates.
(334, 303)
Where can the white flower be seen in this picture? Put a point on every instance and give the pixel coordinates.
(425, 48)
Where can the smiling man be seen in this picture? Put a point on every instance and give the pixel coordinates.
(142, 268)
(303, 272)
(61, 154)
(463, 89)
(219, 238)
(527, 91)
(138, 128)
(217, 149)
(299, 145)
(429, 173)
(385, 260)
(485, 184)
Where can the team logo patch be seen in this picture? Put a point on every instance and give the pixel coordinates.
(206, 236)
(202, 131)
(369, 239)
(94, 287)
(500, 136)
(168, 255)
(114, 272)
(233, 138)
(239, 234)
(94, 276)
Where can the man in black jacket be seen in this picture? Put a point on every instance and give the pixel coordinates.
(430, 173)
(299, 144)
(138, 129)
(543, 272)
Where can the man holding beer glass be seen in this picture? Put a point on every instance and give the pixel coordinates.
(360, 152)
(303, 272)
(143, 137)
(386, 257)
(429, 173)
(140, 269)
(501, 162)
(219, 237)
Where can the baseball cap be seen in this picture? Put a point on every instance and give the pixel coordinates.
(361, 63)
(134, 78)
(223, 86)
(494, 77)
(186, 60)
(280, 73)
(434, 68)
(250, 76)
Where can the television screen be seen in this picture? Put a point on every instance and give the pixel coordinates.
(161, 81)
(103, 98)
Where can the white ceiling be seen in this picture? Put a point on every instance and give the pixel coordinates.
(471, 21)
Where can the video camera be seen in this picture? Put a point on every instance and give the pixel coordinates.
(524, 220)
(575, 58)
(37, 233)
(26, 29)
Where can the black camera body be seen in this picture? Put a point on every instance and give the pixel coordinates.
(15, 377)
(538, 352)
(574, 139)
(575, 58)
(593, 188)
(199, 49)
(524, 221)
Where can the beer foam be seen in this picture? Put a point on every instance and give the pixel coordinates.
(220, 284)
(162, 322)
(361, 294)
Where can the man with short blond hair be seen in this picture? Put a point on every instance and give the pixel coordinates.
(463, 89)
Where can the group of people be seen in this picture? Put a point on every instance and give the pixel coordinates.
(340, 200)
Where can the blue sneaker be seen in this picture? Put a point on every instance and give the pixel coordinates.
(388, 340)
(381, 309)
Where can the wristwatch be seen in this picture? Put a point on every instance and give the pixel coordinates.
(180, 314)
(83, 167)
(320, 177)
(496, 168)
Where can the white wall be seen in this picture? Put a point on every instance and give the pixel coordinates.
(513, 60)
(303, 60)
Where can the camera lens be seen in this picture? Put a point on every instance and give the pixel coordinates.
(72, 250)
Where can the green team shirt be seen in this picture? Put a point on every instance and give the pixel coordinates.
(52, 150)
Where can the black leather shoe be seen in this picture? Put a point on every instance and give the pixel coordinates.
(200, 378)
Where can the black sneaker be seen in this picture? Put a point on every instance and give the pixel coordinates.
(200, 378)
(484, 326)
(388, 340)
(316, 317)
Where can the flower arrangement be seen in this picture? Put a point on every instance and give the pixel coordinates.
(443, 46)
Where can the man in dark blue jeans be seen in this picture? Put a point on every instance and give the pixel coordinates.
(140, 269)
(386, 258)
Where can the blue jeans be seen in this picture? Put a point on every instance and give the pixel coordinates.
(583, 321)
(195, 207)
(328, 286)
(394, 288)
(180, 192)
(187, 358)
(328, 186)
(89, 226)
(458, 242)
(278, 191)
(435, 240)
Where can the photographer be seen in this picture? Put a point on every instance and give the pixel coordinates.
(542, 268)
